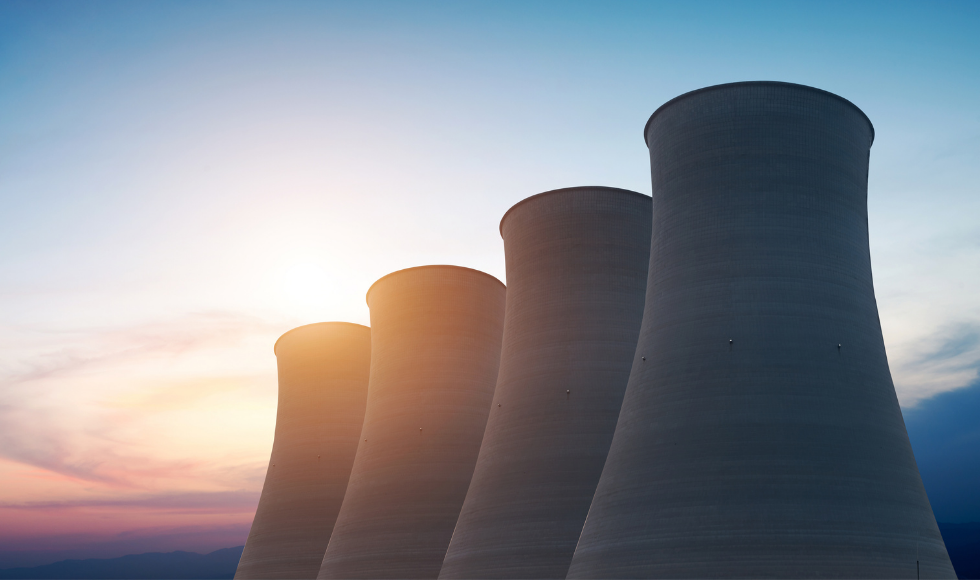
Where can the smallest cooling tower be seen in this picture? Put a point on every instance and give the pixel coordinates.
(323, 377)
(435, 342)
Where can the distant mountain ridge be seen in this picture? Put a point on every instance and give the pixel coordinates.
(217, 565)
(962, 542)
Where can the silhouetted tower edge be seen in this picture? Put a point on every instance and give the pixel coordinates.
(436, 334)
(323, 377)
(696, 92)
(576, 270)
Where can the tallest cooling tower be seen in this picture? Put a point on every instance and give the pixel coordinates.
(761, 436)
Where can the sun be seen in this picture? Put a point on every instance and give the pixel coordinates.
(307, 288)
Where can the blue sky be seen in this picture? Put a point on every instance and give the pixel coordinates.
(181, 182)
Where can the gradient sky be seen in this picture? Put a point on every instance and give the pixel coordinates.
(182, 182)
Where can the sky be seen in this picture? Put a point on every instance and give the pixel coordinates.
(182, 182)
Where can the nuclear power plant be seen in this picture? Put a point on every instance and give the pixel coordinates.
(692, 385)
(323, 382)
(576, 277)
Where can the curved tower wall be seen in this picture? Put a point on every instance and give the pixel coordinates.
(436, 334)
(762, 436)
(576, 272)
(323, 380)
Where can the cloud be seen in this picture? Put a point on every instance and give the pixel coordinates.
(946, 360)
(81, 404)
(80, 350)
(961, 340)
(215, 501)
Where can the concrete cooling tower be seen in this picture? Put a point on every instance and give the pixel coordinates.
(435, 342)
(576, 272)
(323, 381)
(760, 435)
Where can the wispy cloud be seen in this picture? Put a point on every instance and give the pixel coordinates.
(196, 501)
(84, 408)
(82, 349)
(948, 359)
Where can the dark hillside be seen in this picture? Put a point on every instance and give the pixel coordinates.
(154, 565)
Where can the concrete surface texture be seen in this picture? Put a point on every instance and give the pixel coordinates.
(576, 272)
(323, 381)
(436, 333)
(761, 437)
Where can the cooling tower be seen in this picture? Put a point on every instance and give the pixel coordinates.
(762, 436)
(323, 381)
(576, 273)
(435, 340)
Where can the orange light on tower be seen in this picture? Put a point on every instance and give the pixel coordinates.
(323, 378)
(435, 340)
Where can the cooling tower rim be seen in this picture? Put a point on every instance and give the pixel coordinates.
(367, 296)
(749, 83)
(275, 347)
(565, 190)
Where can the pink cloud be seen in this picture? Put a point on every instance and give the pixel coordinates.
(41, 426)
